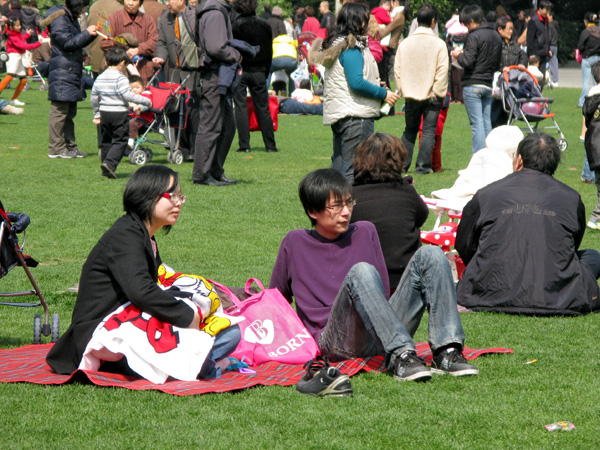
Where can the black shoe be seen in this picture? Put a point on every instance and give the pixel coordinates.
(247, 150)
(452, 361)
(323, 380)
(272, 150)
(409, 367)
(210, 181)
(224, 179)
(107, 171)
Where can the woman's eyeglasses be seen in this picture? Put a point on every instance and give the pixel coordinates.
(174, 197)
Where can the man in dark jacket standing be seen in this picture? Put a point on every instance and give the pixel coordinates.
(65, 84)
(217, 124)
(519, 238)
(538, 36)
(254, 31)
(176, 31)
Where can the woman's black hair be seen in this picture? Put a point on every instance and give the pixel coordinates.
(76, 6)
(15, 5)
(144, 189)
(502, 22)
(353, 18)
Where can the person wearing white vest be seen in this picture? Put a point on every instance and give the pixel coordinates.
(352, 95)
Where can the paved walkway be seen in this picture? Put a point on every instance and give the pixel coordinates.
(569, 75)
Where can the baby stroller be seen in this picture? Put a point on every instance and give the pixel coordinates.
(169, 103)
(444, 234)
(11, 255)
(315, 72)
(523, 100)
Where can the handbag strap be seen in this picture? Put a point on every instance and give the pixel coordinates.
(236, 301)
(249, 285)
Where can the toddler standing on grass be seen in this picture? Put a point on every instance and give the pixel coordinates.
(591, 114)
(111, 95)
(143, 117)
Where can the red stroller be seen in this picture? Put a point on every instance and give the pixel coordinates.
(11, 255)
(305, 41)
(169, 103)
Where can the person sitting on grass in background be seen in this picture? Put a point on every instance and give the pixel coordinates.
(16, 46)
(337, 275)
(111, 96)
(143, 117)
(519, 238)
(591, 115)
(5, 108)
(379, 186)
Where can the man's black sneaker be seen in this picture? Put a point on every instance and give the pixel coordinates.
(323, 380)
(452, 361)
(409, 367)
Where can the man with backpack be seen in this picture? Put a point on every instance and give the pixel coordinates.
(217, 124)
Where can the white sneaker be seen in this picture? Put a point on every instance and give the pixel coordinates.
(8, 109)
(16, 102)
(593, 225)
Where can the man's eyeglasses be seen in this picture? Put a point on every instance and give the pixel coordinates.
(174, 197)
(338, 207)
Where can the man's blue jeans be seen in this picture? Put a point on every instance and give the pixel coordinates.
(587, 77)
(478, 102)
(347, 134)
(363, 323)
(429, 110)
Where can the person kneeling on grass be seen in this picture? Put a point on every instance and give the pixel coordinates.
(111, 95)
(337, 275)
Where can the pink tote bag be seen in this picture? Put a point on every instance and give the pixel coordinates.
(272, 330)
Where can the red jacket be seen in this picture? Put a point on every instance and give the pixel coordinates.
(16, 42)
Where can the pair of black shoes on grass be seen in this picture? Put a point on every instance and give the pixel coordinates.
(323, 380)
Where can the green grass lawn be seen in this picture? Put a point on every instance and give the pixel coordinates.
(233, 233)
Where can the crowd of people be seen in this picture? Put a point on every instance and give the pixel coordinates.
(375, 280)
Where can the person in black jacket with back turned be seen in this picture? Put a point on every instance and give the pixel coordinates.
(255, 31)
(480, 59)
(519, 238)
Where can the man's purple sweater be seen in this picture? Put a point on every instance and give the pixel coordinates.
(311, 269)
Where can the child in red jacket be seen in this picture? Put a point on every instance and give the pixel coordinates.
(16, 46)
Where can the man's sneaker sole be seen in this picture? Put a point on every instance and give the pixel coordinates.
(457, 373)
(339, 388)
(425, 375)
(62, 156)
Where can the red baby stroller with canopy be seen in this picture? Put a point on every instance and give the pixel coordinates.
(169, 103)
(11, 255)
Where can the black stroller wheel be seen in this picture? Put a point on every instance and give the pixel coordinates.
(55, 327)
(37, 329)
(177, 157)
(138, 157)
(149, 154)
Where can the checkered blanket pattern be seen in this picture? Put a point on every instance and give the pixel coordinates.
(28, 364)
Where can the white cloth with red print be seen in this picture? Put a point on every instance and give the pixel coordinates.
(154, 349)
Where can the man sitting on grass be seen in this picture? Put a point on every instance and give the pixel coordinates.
(519, 238)
(337, 275)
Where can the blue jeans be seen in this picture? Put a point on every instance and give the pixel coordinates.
(286, 63)
(225, 343)
(478, 102)
(587, 77)
(587, 173)
(347, 134)
(429, 110)
(363, 323)
(291, 106)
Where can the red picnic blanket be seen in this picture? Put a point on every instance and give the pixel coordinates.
(28, 364)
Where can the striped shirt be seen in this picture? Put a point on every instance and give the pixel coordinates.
(111, 93)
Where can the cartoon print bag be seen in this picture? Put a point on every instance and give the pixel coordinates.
(272, 330)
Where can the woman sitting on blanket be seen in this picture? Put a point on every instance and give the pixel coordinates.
(379, 186)
(123, 267)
